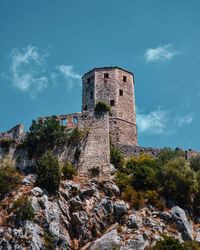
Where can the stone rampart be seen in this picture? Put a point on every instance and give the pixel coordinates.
(129, 151)
(95, 149)
(17, 132)
(95, 156)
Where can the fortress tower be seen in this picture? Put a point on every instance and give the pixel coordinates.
(115, 86)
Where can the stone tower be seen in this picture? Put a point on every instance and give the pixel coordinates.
(115, 86)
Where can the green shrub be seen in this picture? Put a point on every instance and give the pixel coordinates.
(5, 143)
(167, 154)
(75, 136)
(44, 136)
(136, 199)
(144, 172)
(191, 245)
(196, 204)
(48, 172)
(9, 177)
(139, 199)
(23, 209)
(116, 157)
(122, 180)
(49, 241)
(68, 170)
(195, 163)
(168, 243)
(153, 198)
(146, 180)
(101, 107)
(179, 181)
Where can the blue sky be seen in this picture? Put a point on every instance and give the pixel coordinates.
(46, 46)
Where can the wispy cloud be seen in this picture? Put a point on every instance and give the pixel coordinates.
(153, 123)
(184, 120)
(161, 122)
(69, 74)
(27, 70)
(165, 52)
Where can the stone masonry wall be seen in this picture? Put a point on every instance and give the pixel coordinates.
(129, 151)
(120, 127)
(17, 132)
(114, 86)
(95, 150)
(95, 154)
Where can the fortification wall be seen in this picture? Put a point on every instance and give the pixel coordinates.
(95, 148)
(129, 151)
(95, 153)
(17, 132)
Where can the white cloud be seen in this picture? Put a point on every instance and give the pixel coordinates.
(153, 123)
(165, 52)
(181, 121)
(27, 70)
(69, 74)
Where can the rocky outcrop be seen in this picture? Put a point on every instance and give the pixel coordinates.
(179, 217)
(88, 214)
(107, 241)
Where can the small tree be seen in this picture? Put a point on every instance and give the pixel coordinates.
(75, 136)
(179, 181)
(23, 209)
(116, 157)
(9, 177)
(102, 107)
(122, 180)
(68, 170)
(168, 243)
(144, 172)
(44, 136)
(195, 163)
(167, 154)
(48, 173)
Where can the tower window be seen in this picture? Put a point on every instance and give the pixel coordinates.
(91, 95)
(88, 80)
(112, 102)
(64, 121)
(106, 75)
(75, 120)
(121, 92)
(124, 78)
(85, 107)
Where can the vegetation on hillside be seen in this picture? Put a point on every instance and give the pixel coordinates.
(5, 143)
(48, 134)
(158, 181)
(48, 173)
(170, 243)
(116, 157)
(44, 136)
(9, 177)
(68, 170)
(23, 209)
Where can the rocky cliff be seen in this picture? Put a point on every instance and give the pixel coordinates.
(88, 214)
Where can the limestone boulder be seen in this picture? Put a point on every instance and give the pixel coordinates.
(138, 243)
(36, 191)
(179, 217)
(110, 189)
(110, 240)
(120, 209)
(134, 221)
